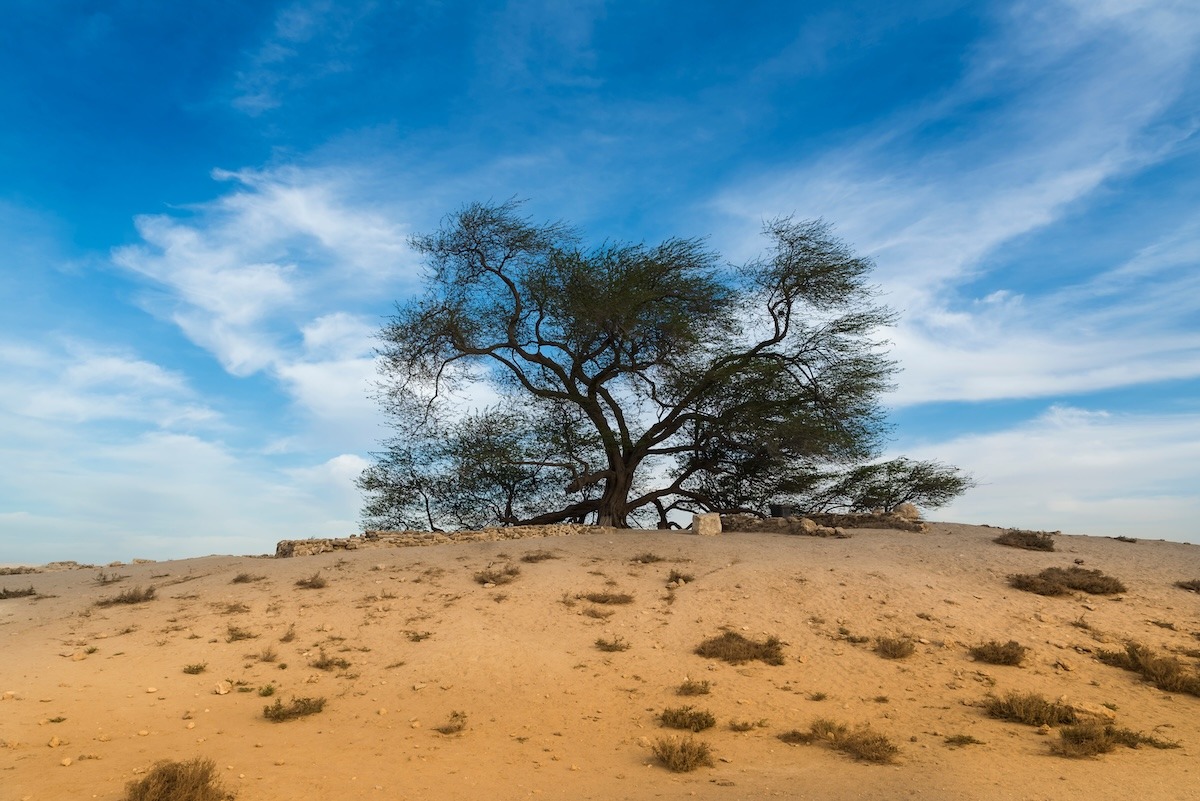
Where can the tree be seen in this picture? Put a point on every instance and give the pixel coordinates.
(621, 383)
(885, 485)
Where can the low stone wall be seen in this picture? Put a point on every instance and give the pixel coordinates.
(818, 525)
(409, 539)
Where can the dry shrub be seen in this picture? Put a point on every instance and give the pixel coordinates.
(1165, 672)
(314, 582)
(18, 571)
(736, 649)
(235, 633)
(693, 687)
(599, 614)
(647, 558)
(894, 647)
(456, 723)
(862, 743)
(741, 725)
(296, 708)
(196, 668)
(498, 575)
(613, 645)
(613, 598)
(1092, 739)
(134, 595)
(246, 578)
(1192, 585)
(6, 593)
(959, 740)
(329, 662)
(538, 556)
(1029, 540)
(680, 578)
(683, 755)
(687, 717)
(1059, 580)
(1123, 538)
(1029, 708)
(995, 653)
(104, 579)
(194, 780)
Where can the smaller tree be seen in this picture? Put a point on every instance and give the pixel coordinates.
(886, 485)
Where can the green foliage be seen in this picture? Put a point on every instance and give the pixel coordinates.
(886, 485)
(630, 380)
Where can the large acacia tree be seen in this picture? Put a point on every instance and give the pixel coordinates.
(540, 381)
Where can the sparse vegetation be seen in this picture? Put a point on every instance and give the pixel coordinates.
(1167, 673)
(267, 690)
(534, 557)
(818, 696)
(682, 755)
(195, 668)
(290, 634)
(1091, 739)
(296, 708)
(1031, 709)
(18, 571)
(647, 558)
(894, 647)
(1029, 540)
(267, 655)
(1123, 538)
(326, 662)
(608, 598)
(740, 725)
(736, 649)
(1059, 581)
(194, 780)
(6, 593)
(687, 717)
(599, 614)
(680, 578)
(615, 644)
(498, 575)
(234, 608)
(693, 687)
(1192, 585)
(134, 595)
(236, 633)
(104, 579)
(862, 743)
(995, 653)
(246, 578)
(959, 740)
(456, 723)
(314, 582)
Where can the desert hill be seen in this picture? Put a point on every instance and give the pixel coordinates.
(498, 644)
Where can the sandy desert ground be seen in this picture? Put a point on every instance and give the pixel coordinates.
(95, 695)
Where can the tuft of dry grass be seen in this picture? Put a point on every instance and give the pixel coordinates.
(1123, 538)
(195, 668)
(314, 582)
(599, 614)
(681, 756)
(246, 578)
(534, 557)
(104, 579)
(606, 598)
(1092, 739)
(736, 649)
(1059, 581)
(1029, 708)
(648, 558)
(862, 743)
(1029, 540)
(6, 593)
(1166, 673)
(236, 633)
(687, 717)
(134, 595)
(693, 687)
(680, 578)
(268, 655)
(894, 647)
(234, 608)
(613, 645)
(498, 575)
(995, 653)
(959, 740)
(456, 723)
(326, 662)
(194, 780)
(296, 708)
(1192, 585)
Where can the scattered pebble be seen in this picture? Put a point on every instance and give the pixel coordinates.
(143, 733)
(66, 763)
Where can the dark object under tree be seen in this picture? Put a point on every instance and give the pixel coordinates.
(620, 384)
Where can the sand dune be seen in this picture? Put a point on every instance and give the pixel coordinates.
(94, 695)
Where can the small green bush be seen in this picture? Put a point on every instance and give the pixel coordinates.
(687, 717)
(995, 653)
(296, 708)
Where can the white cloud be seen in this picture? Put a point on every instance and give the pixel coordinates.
(1082, 471)
(1073, 98)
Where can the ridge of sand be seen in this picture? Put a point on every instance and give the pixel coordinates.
(549, 715)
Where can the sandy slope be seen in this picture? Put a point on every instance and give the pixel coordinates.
(549, 715)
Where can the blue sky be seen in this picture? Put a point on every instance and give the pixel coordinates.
(204, 211)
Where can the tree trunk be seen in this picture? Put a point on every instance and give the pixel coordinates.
(613, 507)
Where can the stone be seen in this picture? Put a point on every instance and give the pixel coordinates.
(808, 526)
(221, 688)
(706, 525)
(54, 742)
(66, 763)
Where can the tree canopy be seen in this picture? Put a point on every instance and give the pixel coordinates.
(539, 381)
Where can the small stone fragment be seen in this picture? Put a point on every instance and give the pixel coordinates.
(143, 733)
(66, 763)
